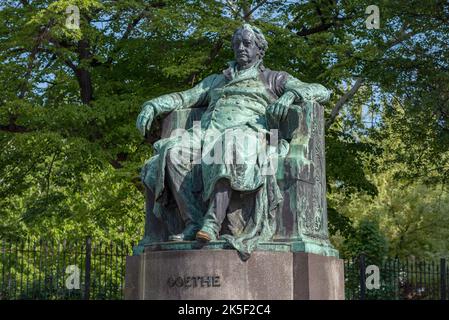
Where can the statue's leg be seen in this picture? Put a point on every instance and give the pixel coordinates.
(179, 177)
(216, 213)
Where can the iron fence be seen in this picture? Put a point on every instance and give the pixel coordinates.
(89, 269)
(394, 279)
(62, 270)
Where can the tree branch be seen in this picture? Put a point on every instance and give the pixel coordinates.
(59, 45)
(212, 55)
(13, 128)
(359, 81)
(320, 28)
(38, 41)
(50, 168)
(71, 65)
(233, 7)
(325, 22)
(130, 27)
(341, 102)
(247, 15)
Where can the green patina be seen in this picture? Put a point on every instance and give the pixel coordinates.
(238, 102)
(309, 246)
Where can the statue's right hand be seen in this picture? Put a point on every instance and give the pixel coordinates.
(145, 119)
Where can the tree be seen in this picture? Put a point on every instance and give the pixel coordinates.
(70, 154)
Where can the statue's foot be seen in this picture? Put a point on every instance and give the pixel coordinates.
(203, 236)
(187, 235)
(180, 237)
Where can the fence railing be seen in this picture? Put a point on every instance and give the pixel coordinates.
(89, 269)
(394, 279)
(62, 270)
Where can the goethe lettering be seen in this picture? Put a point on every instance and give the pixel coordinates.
(194, 281)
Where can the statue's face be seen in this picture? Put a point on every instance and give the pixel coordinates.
(245, 49)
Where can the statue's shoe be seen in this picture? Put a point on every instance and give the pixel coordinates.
(203, 236)
(187, 235)
(179, 237)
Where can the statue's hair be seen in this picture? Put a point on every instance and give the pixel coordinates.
(259, 38)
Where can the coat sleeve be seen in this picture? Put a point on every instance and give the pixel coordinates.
(306, 91)
(161, 106)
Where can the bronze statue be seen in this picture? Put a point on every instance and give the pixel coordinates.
(247, 102)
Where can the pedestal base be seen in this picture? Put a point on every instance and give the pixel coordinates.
(222, 275)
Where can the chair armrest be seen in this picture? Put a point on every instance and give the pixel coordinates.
(177, 119)
(297, 123)
(304, 129)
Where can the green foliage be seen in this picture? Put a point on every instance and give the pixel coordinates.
(339, 224)
(413, 216)
(367, 239)
(70, 154)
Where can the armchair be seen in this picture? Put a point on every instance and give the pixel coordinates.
(301, 220)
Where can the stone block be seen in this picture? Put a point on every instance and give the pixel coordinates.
(222, 275)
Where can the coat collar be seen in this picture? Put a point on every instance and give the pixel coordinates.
(232, 73)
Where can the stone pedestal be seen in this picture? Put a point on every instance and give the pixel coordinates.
(222, 275)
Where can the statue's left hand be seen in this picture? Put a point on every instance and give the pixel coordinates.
(279, 109)
(145, 119)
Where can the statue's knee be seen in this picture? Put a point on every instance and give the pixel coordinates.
(174, 155)
(178, 159)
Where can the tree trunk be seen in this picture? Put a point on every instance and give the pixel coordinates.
(85, 83)
(82, 74)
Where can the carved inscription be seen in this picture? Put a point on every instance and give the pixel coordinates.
(193, 281)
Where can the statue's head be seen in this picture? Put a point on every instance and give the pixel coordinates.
(249, 45)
